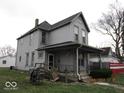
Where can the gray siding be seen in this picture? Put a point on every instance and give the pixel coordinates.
(60, 35)
(25, 46)
(64, 60)
(78, 22)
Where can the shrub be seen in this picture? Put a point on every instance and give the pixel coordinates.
(101, 73)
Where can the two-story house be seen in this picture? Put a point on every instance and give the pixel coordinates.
(63, 45)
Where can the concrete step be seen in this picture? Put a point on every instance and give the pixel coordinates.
(85, 78)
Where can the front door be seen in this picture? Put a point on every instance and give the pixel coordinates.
(51, 60)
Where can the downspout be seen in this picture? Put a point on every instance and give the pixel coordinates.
(77, 72)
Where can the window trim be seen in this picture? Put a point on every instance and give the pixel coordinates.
(76, 33)
(31, 38)
(75, 26)
(20, 58)
(21, 41)
(40, 54)
(43, 37)
(27, 59)
(83, 33)
(4, 62)
(32, 58)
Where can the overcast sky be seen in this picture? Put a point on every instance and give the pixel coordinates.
(17, 16)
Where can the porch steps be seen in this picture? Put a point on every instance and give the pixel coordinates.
(85, 78)
(74, 78)
(69, 77)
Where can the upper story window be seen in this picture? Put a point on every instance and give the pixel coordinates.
(83, 35)
(31, 38)
(21, 41)
(76, 31)
(43, 37)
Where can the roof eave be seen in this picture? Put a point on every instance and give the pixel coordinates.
(85, 23)
(60, 26)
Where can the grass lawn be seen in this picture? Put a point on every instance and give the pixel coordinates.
(24, 86)
(119, 79)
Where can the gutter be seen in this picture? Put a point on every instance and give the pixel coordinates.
(77, 71)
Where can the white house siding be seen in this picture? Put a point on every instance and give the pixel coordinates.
(24, 47)
(10, 61)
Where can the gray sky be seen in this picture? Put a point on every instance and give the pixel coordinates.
(17, 16)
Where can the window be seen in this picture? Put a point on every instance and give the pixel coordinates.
(43, 37)
(4, 61)
(76, 31)
(32, 59)
(20, 59)
(31, 38)
(21, 41)
(27, 59)
(40, 54)
(83, 36)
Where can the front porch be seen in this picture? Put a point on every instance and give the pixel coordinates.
(71, 57)
(65, 60)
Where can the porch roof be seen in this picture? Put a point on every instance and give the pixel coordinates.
(71, 45)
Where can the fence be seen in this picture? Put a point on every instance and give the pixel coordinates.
(118, 73)
(117, 68)
(61, 68)
(96, 65)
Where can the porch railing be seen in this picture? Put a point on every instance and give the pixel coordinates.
(64, 68)
(61, 68)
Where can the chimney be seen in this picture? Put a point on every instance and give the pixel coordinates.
(36, 22)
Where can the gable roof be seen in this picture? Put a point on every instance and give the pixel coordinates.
(6, 56)
(106, 50)
(45, 26)
(64, 21)
(48, 27)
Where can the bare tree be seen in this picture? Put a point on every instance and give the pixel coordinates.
(7, 50)
(111, 24)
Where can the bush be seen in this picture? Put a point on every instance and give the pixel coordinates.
(101, 73)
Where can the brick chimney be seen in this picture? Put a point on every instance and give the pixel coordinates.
(36, 22)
